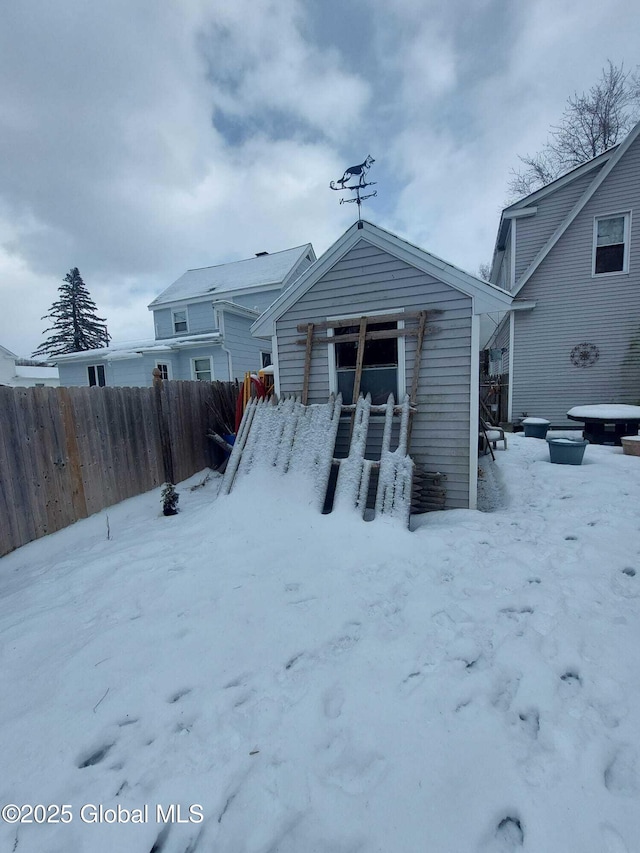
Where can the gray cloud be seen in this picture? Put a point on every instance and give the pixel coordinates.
(137, 140)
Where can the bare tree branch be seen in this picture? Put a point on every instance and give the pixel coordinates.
(591, 123)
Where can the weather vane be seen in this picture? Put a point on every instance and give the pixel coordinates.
(359, 175)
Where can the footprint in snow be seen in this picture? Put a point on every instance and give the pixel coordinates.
(621, 773)
(411, 681)
(504, 691)
(612, 840)
(506, 837)
(530, 720)
(626, 582)
(355, 771)
(570, 683)
(176, 697)
(95, 756)
(516, 613)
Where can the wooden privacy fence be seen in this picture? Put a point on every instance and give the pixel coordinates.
(66, 453)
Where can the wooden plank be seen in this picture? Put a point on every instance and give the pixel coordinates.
(78, 500)
(32, 502)
(355, 321)
(376, 335)
(422, 324)
(307, 364)
(357, 379)
(13, 532)
(378, 409)
(51, 459)
(165, 435)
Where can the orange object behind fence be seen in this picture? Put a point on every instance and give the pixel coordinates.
(251, 387)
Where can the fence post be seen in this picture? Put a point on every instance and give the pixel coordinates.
(163, 425)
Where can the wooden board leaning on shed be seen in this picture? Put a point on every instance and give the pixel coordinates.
(314, 337)
(283, 437)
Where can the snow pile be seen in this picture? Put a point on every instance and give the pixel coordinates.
(317, 683)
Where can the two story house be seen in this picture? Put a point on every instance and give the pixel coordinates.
(202, 326)
(569, 254)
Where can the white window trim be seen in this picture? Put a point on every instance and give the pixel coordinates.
(95, 367)
(201, 358)
(175, 311)
(169, 368)
(402, 361)
(627, 243)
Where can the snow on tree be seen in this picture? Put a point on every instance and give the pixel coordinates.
(76, 326)
(591, 123)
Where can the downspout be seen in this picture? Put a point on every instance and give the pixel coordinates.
(474, 410)
(222, 346)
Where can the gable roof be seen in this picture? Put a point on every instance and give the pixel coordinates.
(486, 296)
(258, 272)
(607, 161)
(7, 352)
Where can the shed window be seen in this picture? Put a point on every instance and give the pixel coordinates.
(611, 242)
(96, 375)
(379, 367)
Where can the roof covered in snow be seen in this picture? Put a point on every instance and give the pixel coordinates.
(32, 372)
(259, 271)
(129, 349)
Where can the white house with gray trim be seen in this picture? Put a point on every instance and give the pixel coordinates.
(569, 254)
(369, 272)
(202, 326)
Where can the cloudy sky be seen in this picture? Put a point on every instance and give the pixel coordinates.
(139, 139)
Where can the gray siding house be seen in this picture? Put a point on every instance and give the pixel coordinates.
(569, 253)
(202, 326)
(369, 272)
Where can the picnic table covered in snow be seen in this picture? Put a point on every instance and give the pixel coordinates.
(607, 423)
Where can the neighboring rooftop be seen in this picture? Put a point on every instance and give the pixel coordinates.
(127, 349)
(259, 271)
(30, 372)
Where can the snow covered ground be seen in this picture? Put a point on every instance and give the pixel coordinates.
(318, 683)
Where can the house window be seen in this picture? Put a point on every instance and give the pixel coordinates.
(96, 375)
(180, 321)
(165, 371)
(380, 372)
(265, 359)
(611, 244)
(202, 369)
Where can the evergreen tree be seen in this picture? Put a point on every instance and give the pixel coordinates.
(76, 326)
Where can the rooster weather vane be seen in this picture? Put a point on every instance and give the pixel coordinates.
(355, 179)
